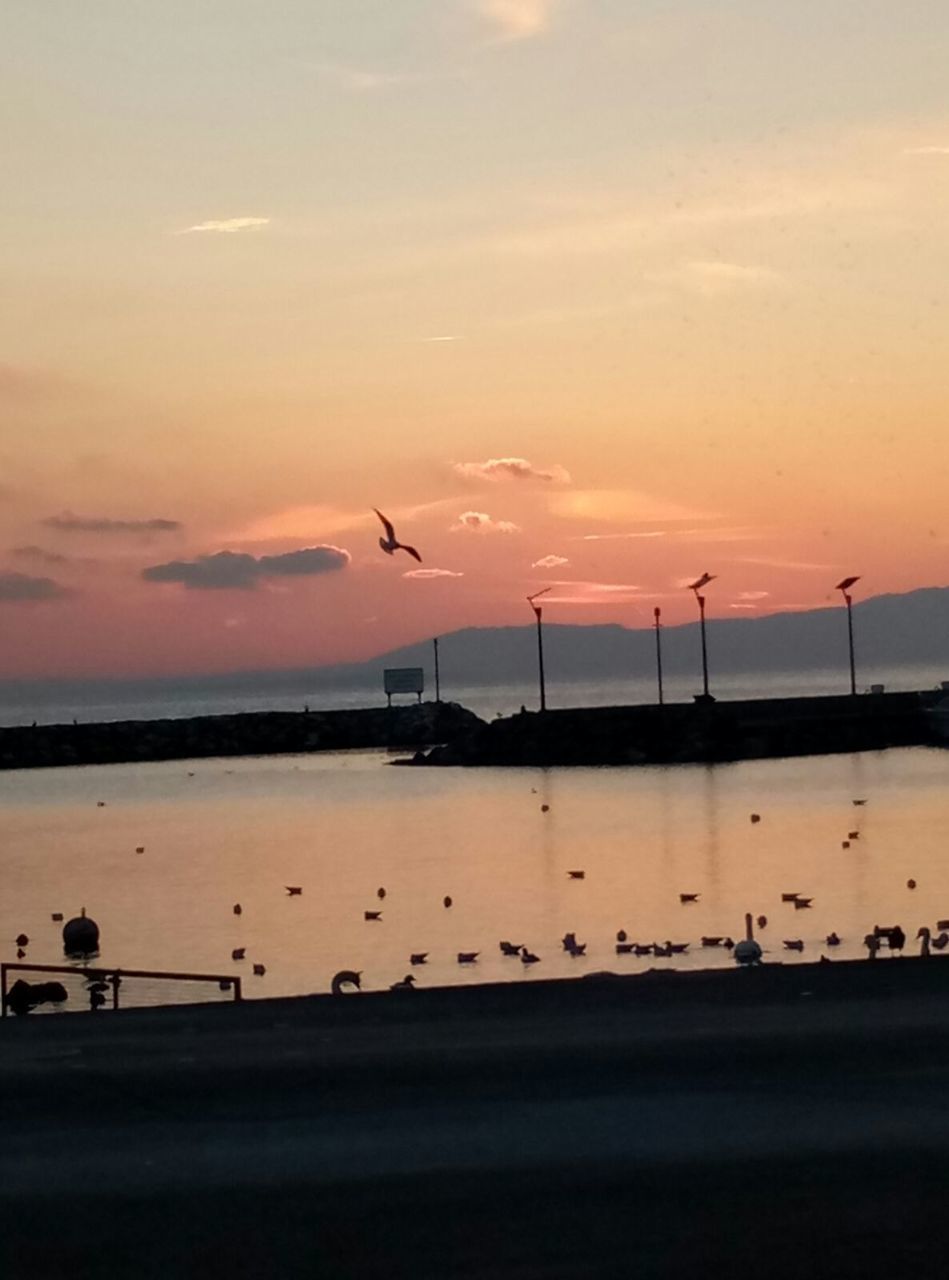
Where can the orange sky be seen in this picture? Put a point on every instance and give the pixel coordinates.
(684, 270)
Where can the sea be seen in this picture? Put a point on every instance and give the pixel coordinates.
(161, 854)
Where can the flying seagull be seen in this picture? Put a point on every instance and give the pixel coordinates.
(390, 543)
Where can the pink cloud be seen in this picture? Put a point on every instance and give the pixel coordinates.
(550, 562)
(432, 573)
(481, 522)
(510, 469)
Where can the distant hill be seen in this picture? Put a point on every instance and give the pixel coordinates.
(909, 629)
(890, 630)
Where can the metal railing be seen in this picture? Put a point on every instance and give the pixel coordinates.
(114, 977)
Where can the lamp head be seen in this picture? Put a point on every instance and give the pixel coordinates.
(699, 583)
(847, 583)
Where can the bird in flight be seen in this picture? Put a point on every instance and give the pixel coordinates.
(390, 543)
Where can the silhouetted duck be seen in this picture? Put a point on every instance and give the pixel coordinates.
(528, 957)
(793, 944)
(728, 944)
(689, 897)
(406, 984)
(418, 957)
(801, 904)
(446, 901)
(20, 953)
(845, 844)
(942, 924)
(545, 808)
(57, 917)
(858, 802)
(380, 893)
(663, 950)
(911, 884)
(238, 953)
(625, 948)
(642, 948)
(756, 817)
(468, 957)
(853, 835)
(22, 940)
(762, 922)
(577, 875)
(621, 935)
(832, 940)
(678, 948)
(789, 897)
(925, 935)
(372, 915)
(294, 890)
(941, 941)
(139, 848)
(712, 942)
(346, 978)
(259, 970)
(237, 908)
(511, 948)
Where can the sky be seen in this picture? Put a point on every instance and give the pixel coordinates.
(595, 295)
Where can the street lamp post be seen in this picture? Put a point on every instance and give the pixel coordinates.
(657, 614)
(696, 587)
(538, 614)
(438, 687)
(844, 588)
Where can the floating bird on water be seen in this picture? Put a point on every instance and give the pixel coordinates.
(22, 940)
(140, 848)
(621, 935)
(528, 957)
(237, 908)
(662, 950)
(712, 942)
(689, 897)
(762, 922)
(853, 835)
(406, 984)
(845, 844)
(56, 917)
(372, 915)
(259, 970)
(728, 944)
(642, 948)
(800, 904)
(577, 875)
(924, 945)
(942, 924)
(346, 978)
(832, 940)
(793, 944)
(789, 897)
(625, 948)
(446, 901)
(20, 953)
(678, 948)
(756, 817)
(571, 945)
(911, 884)
(390, 543)
(100, 804)
(941, 941)
(238, 953)
(380, 893)
(468, 957)
(748, 951)
(418, 957)
(858, 802)
(510, 948)
(545, 808)
(294, 890)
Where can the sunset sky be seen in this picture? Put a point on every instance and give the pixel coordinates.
(597, 294)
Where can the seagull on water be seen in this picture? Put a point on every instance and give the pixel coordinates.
(390, 543)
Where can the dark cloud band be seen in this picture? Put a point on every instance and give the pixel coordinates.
(236, 570)
(21, 587)
(69, 523)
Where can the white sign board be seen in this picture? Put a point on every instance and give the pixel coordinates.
(403, 680)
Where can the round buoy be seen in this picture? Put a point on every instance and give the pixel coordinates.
(80, 935)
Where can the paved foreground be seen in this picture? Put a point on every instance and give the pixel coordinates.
(790, 1121)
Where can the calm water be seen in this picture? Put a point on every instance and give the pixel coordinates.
(342, 825)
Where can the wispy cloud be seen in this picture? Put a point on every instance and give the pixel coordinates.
(19, 588)
(70, 523)
(716, 277)
(481, 522)
(619, 505)
(444, 337)
(550, 562)
(39, 554)
(926, 151)
(227, 225)
(432, 573)
(236, 570)
(373, 80)
(584, 592)
(517, 19)
(802, 566)
(510, 469)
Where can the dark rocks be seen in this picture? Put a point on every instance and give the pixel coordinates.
(699, 732)
(24, 996)
(252, 733)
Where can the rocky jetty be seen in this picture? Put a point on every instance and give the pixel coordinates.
(693, 732)
(249, 734)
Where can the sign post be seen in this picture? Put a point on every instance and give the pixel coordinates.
(403, 680)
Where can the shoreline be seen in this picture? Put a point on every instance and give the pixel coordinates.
(660, 1121)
